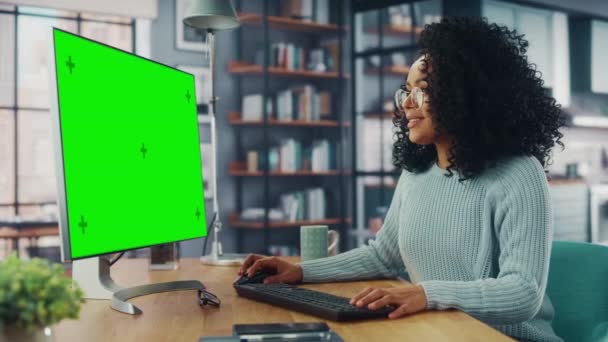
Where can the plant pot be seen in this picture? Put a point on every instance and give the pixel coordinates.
(12, 333)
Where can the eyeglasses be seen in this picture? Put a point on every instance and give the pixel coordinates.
(416, 96)
(207, 298)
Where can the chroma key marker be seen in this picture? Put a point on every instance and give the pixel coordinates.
(188, 95)
(198, 214)
(143, 150)
(83, 224)
(70, 64)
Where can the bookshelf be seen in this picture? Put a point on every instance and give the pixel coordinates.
(395, 30)
(235, 118)
(235, 222)
(289, 24)
(251, 69)
(377, 115)
(390, 70)
(278, 59)
(239, 169)
(385, 38)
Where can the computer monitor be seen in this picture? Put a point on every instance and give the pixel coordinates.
(128, 153)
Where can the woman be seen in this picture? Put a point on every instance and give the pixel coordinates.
(470, 221)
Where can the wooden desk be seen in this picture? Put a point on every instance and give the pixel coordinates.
(176, 316)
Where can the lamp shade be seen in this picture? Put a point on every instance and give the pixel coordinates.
(216, 15)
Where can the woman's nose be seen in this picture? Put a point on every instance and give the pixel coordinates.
(407, 102)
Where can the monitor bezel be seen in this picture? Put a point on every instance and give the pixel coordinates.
(55, 111)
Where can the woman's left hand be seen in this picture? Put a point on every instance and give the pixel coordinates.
(407, 300)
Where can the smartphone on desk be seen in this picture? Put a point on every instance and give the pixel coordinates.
(280, 332)
(279, 328)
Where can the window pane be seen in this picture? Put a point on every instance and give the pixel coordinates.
(119, 36)
(370, 210)
(387, 144)
(36, 173)
(108, 18)
(31, 212)
(7, 56)
(7, 213)
(47, 11)
(367, 36)
(368, 84)
(536, 25)
(33, 53)
(7, 157)
(4, 7)
(427, 12)
(397, 27)
(369, 143)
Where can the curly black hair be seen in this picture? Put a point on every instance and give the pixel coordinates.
(484, 94)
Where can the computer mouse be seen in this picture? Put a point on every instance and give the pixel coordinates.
(257, 278)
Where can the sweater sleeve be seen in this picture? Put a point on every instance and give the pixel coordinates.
(379, 259)
(523, 227)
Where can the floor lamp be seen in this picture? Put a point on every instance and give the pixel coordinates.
(213, 16)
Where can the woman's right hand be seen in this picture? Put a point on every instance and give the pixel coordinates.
(284, 271)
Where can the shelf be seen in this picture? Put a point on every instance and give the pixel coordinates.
(242, 68)
(290, 24)
(567, 181)
(246, 173)
(236, 223)
(395, 30)
(238, 168)
(235, 119)
(393, 70)
(377, 186)
(375, 115)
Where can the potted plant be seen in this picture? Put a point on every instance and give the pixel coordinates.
(34, 295)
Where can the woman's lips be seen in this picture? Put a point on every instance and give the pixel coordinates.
(413, 122)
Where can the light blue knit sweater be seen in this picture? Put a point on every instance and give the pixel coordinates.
(481, 246)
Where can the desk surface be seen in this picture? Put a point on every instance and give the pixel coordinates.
(176, 316)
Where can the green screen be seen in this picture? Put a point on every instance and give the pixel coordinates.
(131, 152)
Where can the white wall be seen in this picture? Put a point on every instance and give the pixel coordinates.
(129, 8)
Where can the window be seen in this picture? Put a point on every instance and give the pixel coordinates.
(27, 170)
(535, 24)
(599, 55)
(7, 157)
(7, 56)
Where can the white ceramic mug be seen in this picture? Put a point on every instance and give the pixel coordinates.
(314, 241)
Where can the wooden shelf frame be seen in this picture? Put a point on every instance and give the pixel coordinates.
(288, 24)
(250, 69)
(235, 119)
(239, 169)
(392, 70)
(374, 115)
(235, 222)
(395, 30)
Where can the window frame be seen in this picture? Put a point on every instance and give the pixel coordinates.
(16, 204)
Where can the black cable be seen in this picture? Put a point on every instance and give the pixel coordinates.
(211, 224)
(116, 259)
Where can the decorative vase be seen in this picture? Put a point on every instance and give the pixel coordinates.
(10, 333)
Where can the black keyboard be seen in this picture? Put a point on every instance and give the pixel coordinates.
(311, 302)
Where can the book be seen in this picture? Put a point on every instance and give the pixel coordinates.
(273, 159)
(325, 104)
(252, 107)
(332, 58)
(297, 9)
(252, 161)
(322, 12)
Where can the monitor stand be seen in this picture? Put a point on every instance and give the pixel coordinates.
(93, 277)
